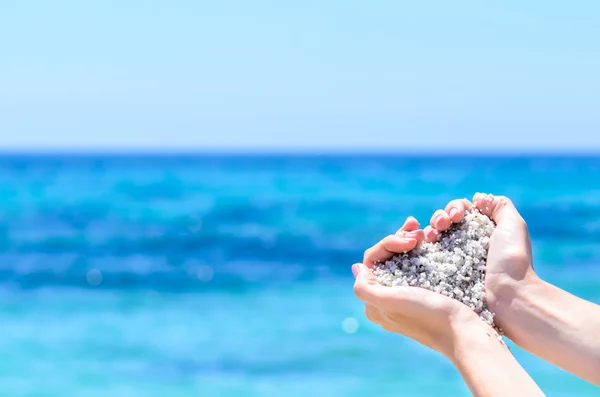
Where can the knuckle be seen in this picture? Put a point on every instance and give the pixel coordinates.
(516, 255)
(387, 239)
(522, 224)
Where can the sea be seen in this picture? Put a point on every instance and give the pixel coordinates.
(229, 274)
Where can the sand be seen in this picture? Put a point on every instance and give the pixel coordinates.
(454, 266)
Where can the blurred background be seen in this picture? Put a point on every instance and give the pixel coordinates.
(184, 185)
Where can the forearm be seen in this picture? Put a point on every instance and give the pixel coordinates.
(556, 326)
(488, 367)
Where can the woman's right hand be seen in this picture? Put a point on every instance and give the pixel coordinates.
(509, 263)
(539, 317)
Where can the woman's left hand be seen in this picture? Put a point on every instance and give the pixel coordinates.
(431, 319)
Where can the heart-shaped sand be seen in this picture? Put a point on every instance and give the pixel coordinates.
(453, 266)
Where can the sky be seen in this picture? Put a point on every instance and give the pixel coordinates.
(299, 75)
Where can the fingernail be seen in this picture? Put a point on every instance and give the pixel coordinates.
(437, 220)
(415, 219)
(453, 212)
(412, 234)
(407, 240)
(355, 269)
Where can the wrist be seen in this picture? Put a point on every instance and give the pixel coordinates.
(509, 298)
(478, 353)
(465, 326)
(474, 338)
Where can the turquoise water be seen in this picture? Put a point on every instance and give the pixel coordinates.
(230, 275)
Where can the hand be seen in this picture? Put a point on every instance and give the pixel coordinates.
(539, 317)
(439, 322)
(509, 263)
(429, 318)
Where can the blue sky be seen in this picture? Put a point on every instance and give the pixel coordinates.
(357, 75)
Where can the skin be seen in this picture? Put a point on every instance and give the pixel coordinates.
(450, 328)
(441, 323)
(539, 317)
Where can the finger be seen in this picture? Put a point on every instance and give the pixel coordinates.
(418, 235)
(499, 208)
(410, 229)
(410, 225)
(503, 212)
(399, 299)
(431, 234)
(456, 210)
(440, 220)
(387, 248)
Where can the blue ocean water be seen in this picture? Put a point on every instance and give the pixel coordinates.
(230, 275)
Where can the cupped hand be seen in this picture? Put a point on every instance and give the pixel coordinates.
(429, 318)
(509, 262)
(425, 316)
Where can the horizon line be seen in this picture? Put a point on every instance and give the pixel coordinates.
(285, 151)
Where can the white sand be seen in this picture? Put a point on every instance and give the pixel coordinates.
(453, 266)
